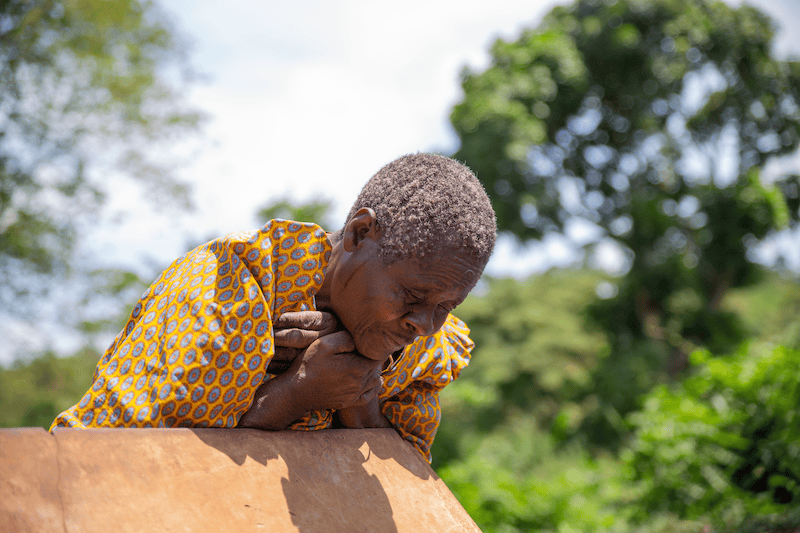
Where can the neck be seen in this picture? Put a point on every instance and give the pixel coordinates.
(323, 296)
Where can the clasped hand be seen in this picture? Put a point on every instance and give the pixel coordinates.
(318, 369)
(323, 361)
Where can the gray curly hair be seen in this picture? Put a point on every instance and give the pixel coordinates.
(426, 203)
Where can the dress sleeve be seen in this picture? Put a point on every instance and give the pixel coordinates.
(199, 342)
(193, 352)
(410, 396)
(415, 414)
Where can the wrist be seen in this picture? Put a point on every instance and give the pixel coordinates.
(368, 415)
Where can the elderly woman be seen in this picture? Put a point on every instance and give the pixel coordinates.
(290, 327)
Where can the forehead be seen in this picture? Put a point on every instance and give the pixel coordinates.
(450, 273)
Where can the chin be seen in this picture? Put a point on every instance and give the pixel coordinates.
(371, 351)
(375, 355)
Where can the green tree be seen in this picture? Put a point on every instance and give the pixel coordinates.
(533, 357)
(494, 448)
(33, 392)
(90, 91)
(504, 444)
(317, 210)
(652, 121)
(85, 90)
(723, 443)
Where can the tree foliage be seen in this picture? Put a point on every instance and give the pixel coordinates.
(512, 443)
(317, 210)
(87, 87)
(32, 393)
(723, 443)
(613, 99)
(653, 121)
(533, 358)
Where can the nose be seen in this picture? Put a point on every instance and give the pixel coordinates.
(420, 321)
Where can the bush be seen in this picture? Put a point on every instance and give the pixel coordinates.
(724, 444)
(33, 392)
(516, 480)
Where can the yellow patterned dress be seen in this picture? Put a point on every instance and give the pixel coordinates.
(198, 342)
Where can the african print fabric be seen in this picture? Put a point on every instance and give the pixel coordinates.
(198, 342)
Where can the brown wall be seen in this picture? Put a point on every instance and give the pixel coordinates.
(220, 480)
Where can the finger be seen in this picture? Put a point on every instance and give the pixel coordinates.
(338, 342)
(284, 353)
(372, 381)
(278, 367)
(296, 338)
(310, 320)
(282, 359)
(371, 393)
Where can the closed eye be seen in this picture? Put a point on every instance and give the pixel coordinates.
(414, 296)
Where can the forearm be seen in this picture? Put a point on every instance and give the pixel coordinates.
(274, 406)
(327, 376)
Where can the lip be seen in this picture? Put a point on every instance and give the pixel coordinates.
(400, 340)
(387, 343)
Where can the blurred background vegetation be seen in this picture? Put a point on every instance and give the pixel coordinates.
(662, 398)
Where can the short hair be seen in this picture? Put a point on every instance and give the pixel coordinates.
(426, 203)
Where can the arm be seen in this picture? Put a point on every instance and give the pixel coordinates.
(415, 413)
(274, 406)
(411, 399)
(327, 375)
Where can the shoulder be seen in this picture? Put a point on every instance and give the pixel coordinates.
(281, 234)
(292, 259)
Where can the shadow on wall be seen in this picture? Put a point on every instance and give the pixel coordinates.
(331, 485)
(337, 481)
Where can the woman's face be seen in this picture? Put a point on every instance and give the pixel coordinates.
(385, 307)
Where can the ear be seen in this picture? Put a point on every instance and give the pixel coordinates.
(363, 226)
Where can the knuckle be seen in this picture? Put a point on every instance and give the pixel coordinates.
(326, 342)
(315, 320)
(309, 319)
(294, 336)
(286, 319)
(341, 340)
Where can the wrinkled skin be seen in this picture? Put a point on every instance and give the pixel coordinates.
(317, 369)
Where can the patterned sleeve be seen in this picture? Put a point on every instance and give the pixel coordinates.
(410, 397)
(198, 343)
